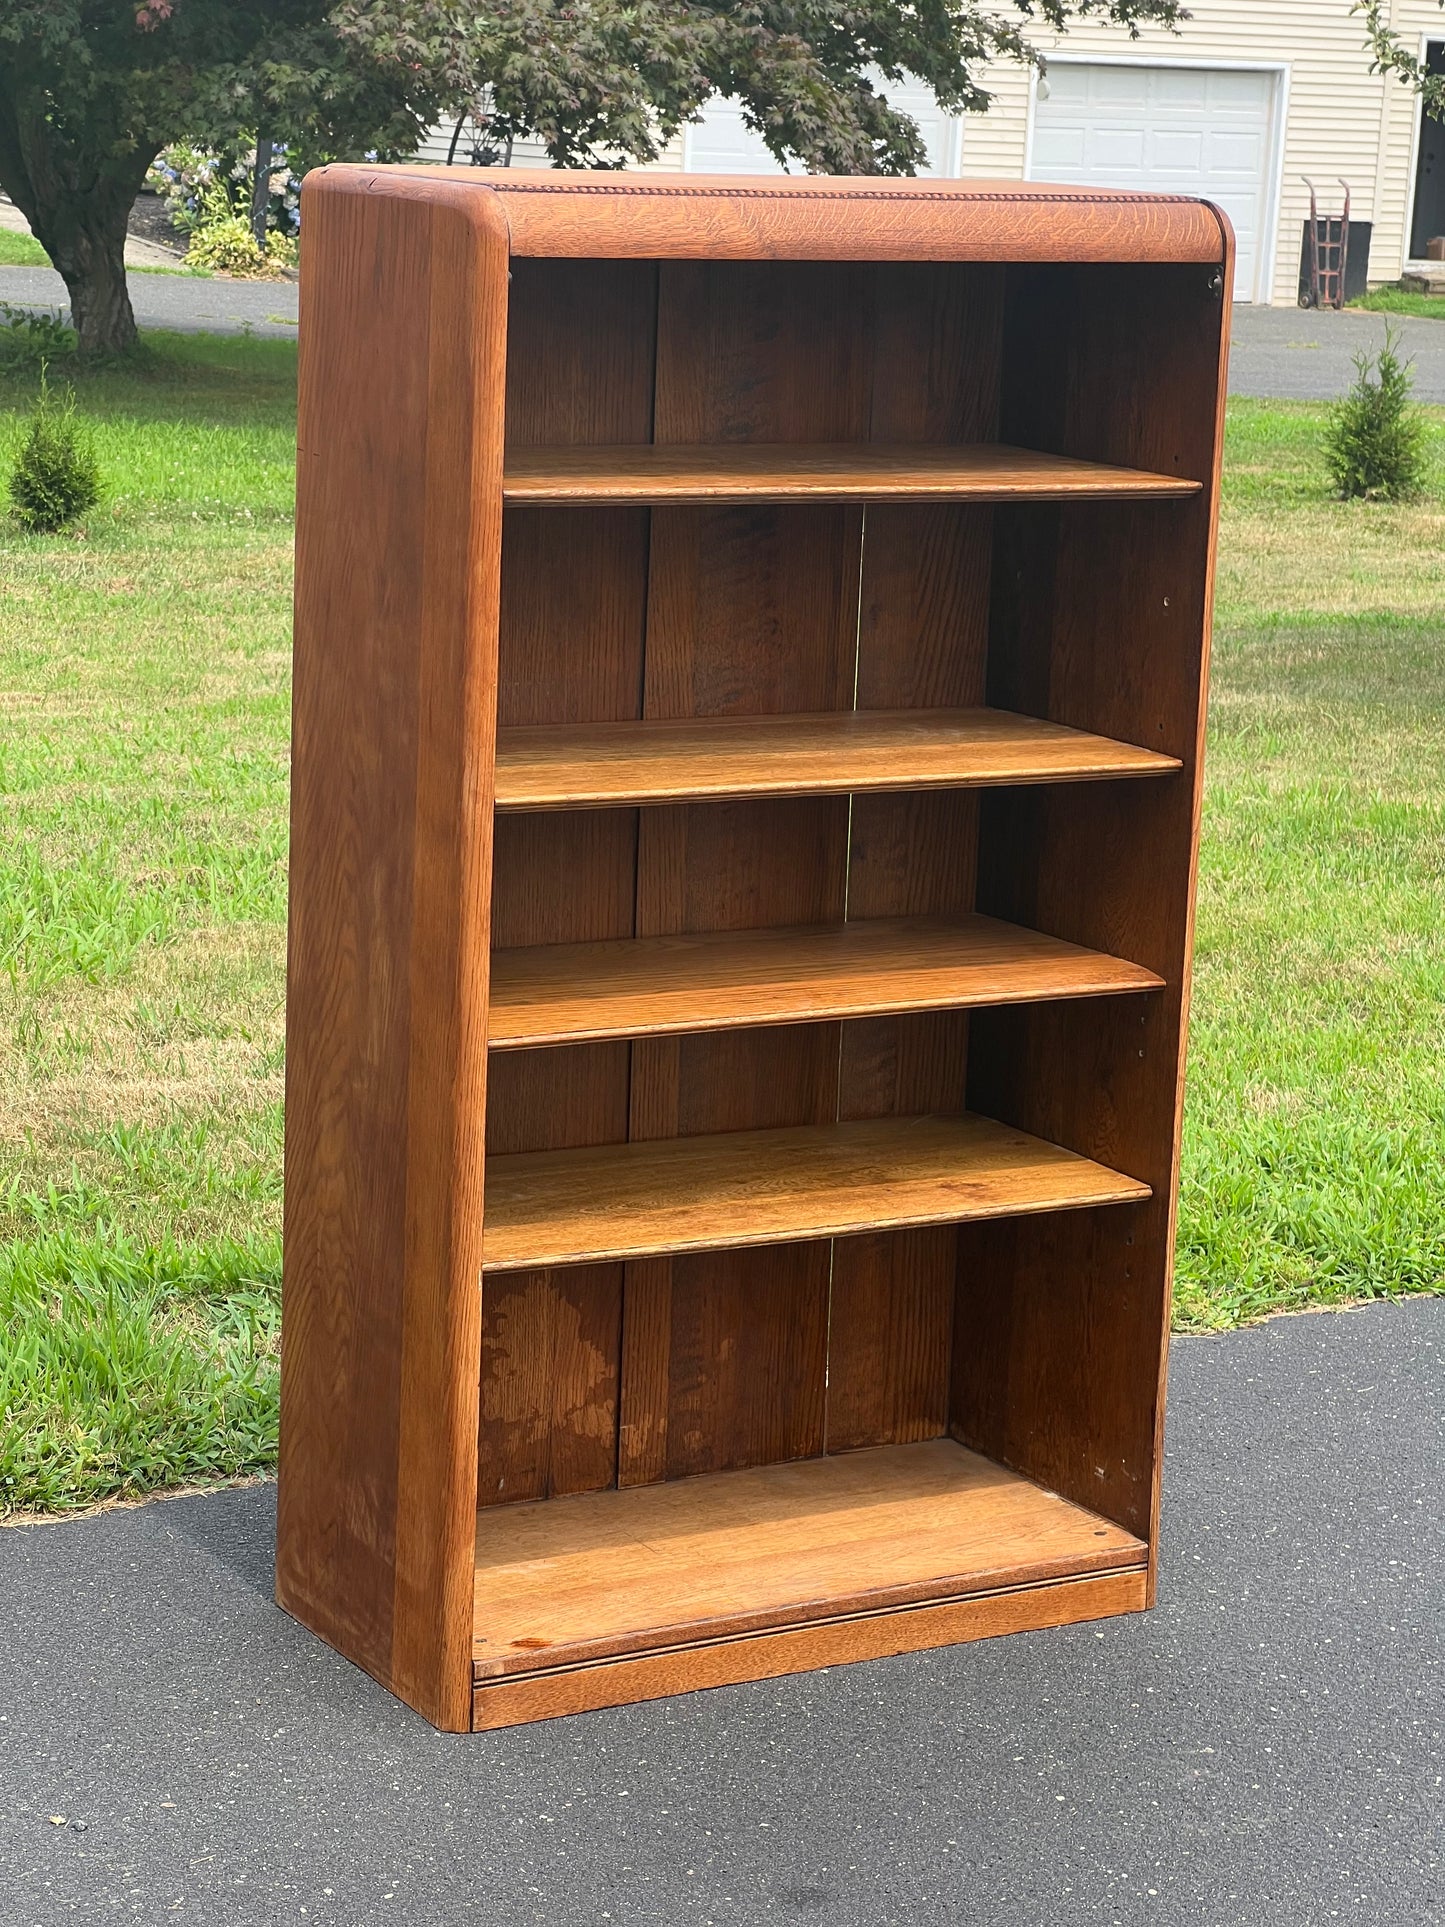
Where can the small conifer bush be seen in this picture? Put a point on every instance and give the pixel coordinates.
(1375, 441)
(57, 477)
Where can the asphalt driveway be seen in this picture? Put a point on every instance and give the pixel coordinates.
(1264, 1748)
(181, 301)
(1300, 355)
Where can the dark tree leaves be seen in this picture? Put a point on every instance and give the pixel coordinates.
(91, 90)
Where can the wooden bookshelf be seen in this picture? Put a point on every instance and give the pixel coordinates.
(749, 689)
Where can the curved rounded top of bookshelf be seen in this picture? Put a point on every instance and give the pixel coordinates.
(611, 215)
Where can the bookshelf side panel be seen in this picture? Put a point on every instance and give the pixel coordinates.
(398, 534)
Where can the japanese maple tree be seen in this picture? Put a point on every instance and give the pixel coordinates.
(92, 90)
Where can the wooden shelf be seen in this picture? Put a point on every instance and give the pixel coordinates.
(648, 987)
(818, 472)
(571, 766)
(569, 1581)
(737, 1188)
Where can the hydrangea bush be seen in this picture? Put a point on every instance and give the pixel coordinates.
(208, 196)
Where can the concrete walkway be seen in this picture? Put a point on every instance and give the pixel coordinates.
(139, 253)
(1264, 1750)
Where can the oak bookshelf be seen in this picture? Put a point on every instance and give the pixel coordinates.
(751, 640)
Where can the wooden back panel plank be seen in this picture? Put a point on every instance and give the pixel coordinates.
(573, 610)
(923, 643)
(398, 530)
(751, 611)
(1101, 619)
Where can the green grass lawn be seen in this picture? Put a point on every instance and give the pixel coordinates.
(1314, 1160)
(143, 768)
(1397, 301)
(21, 251)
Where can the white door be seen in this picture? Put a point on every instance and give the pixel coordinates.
(1172, 130)
(721, 144)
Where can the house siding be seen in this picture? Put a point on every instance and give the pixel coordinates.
(437, 143)
(1340, 119)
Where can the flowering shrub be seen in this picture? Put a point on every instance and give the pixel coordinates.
(195, 180)
(222, 241)
(181, 174)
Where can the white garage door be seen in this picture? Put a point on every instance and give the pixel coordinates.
(1174, 130)
(722, 144)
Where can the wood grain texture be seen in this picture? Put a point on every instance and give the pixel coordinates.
(1128, 364)
(818, 472)
(730, 1660)
(751, 610)
(740, 1188)
(398, 531)
(581, 348)
(721, 980)
(801, 754)
(549, 1384)
(890, 1337)
(776, 1545)
(731, 217)
(922, 643)
(746, 1362)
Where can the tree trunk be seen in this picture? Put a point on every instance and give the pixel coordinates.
(77, 204)
(261, 189)
(87, 245)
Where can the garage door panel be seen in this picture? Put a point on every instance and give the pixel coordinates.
(1252, 92)
(1172, 130)
(1058, 153)
(1119, 87)
(1069, 86)
(1186, 89)
(1113, 149)
(1238, 207)
(1239, 154)
(1175, 151)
